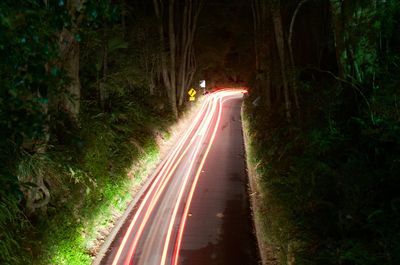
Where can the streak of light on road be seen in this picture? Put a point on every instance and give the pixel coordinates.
(153, 234)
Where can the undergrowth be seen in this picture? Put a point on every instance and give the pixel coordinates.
(90, 172)
(329, 183)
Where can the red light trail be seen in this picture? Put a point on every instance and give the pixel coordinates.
(158, 225)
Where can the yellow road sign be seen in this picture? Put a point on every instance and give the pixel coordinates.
(192, 92)
(192, 98)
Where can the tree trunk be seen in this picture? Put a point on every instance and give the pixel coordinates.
(69, 47)
(262, 50)
(168, 68)
(292, 61)
(69, 54)
(186, 21)
(172, 53)
(191, 14)
(280, 43)
(337, 26)
(258, 32)
(255, 11)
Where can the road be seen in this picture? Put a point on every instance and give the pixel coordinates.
(195, 210)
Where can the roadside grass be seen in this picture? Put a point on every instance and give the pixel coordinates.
(268, 215)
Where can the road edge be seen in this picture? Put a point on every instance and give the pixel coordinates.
(266, 252)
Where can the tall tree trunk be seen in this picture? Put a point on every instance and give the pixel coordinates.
(280, 43)
(186, 20)
(172, 53)
(168, 66)
(292, 61)
(258, 32)
(190, 17)
(255, 11)
(69, 47)
(69, 54)
(262, 50)
(338, 30)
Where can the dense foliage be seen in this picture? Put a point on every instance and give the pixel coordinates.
(27, 44)
(330, 175)
(76, 118)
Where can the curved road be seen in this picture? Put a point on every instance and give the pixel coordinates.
(195, 210)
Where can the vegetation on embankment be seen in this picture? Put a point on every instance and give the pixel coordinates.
(83, 108)
(323, 125)
(325, 196)
(91, 178)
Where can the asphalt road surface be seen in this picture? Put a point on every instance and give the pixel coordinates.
(195, 210)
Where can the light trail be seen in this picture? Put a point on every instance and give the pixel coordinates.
(159, 176)
(154, 201)
(204, 126)
(177, 204)
(175, 256)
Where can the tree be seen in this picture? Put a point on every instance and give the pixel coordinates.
(262, 48)
(177, 54)
(269, 28)
(275, 6)
(291, 56)
(69, 59)
(187, 66)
